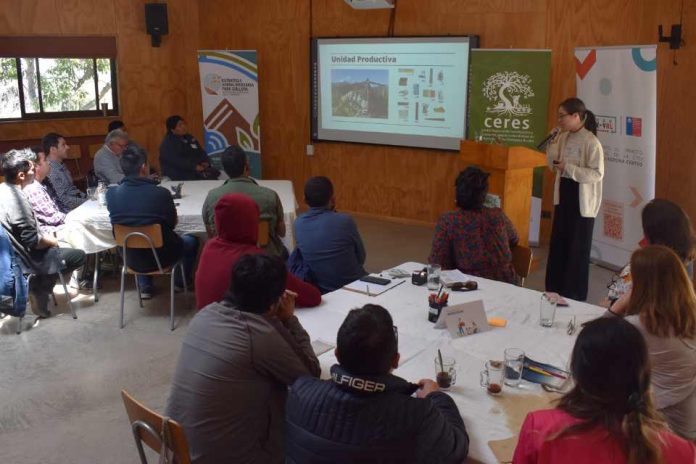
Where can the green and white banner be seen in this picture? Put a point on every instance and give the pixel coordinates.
(230, 93)
(508, 104)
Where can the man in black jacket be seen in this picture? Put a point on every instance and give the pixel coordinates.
(364, 414)
(139, 201)
(39, 252)
(181, 155)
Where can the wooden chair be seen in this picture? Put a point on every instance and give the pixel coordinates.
(264, 233)
(143, 237)
(147, 427)
(522, 261)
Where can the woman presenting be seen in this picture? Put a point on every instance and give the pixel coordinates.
(576, 156)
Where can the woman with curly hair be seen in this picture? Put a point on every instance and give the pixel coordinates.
(475, 239)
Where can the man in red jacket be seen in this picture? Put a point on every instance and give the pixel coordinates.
(237, 225)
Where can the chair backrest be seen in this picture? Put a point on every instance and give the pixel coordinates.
(141, 417)
(93, 148)
(264, 232)
(154, 231)
(522, 260)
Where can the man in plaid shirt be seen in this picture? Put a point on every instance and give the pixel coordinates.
(49, 217)
(68, 197)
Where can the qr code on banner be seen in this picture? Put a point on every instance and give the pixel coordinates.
(613, 219)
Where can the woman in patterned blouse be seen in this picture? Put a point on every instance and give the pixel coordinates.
(473, 238)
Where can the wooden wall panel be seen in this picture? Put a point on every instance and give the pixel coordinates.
(416, 184)
(153, 82)
(407, 183)
(676, 137)
(279, 31)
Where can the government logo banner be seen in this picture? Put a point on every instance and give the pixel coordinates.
(619, 85)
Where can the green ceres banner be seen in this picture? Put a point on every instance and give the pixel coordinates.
(509, 96)
(508, 104)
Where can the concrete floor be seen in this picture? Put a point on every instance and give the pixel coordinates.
(60, 380)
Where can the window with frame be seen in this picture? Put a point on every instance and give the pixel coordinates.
(57, 77)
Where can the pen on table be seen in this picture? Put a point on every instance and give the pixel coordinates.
(367, 287)
(546, 373)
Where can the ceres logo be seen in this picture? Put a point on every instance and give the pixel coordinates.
(507, 91)
(212, 83)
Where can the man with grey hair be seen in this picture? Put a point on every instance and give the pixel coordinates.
(106, 161)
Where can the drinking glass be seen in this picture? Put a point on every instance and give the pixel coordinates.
(433, 276)
(514, 363)
(492, 377)
(446, 374)
(547, 310)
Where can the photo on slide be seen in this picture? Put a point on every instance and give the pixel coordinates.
(360, 93)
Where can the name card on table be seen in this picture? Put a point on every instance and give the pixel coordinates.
(463, 319)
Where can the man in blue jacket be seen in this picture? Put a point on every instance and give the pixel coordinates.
(366, 414)
(329, 241)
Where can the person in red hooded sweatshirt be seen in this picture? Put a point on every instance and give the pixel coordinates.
(237, 223)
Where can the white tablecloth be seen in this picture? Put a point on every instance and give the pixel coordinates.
(419, 340)
(88, 227)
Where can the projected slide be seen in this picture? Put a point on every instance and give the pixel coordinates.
(406, 91)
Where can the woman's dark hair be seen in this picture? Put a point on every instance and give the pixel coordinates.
(257, 281)
(611, 370)
(665, 223)
(471, 188)
(172, 121)
(575, 105)
(366, 342)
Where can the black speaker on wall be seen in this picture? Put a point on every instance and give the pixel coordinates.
(156, 21)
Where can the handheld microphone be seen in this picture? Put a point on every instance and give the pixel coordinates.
(548, 138)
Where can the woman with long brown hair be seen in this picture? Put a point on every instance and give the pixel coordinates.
(662, 305)
(608, 416)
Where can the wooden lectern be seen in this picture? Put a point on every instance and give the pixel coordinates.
(511, 170)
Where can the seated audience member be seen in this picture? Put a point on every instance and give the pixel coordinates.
(664, 223)
(475, 239)
(236, 361)
(48, 215)
(328, 241)
(237, 223)
(68, 197)
(608, 416)
(181, 157)
(366, 414)
(139, 201)
(118, 124)
(662, 305)
(236, 165)
(39, 251)
(107, 165)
